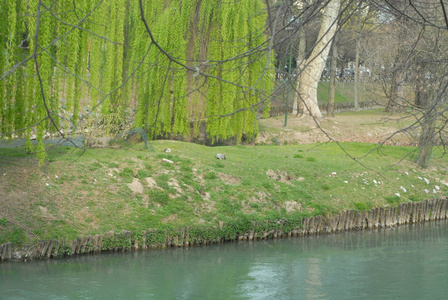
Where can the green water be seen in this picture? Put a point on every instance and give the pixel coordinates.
(399, 263)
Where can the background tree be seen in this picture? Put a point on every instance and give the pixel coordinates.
(165, 66)
(175, 67)
(333, 68)
(420, 64)
(314, 65)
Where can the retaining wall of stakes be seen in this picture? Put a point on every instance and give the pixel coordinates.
(405, 213)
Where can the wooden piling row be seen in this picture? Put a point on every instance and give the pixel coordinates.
(382, 217)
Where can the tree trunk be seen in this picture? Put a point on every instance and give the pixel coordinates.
(314, 65)
(426, 103)
(427, 137)
(395, 103)
(356, 83)
(299, 62)
(421, 87)
(334, 56)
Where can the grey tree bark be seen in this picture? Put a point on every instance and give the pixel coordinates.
(331, 89)
(314, 65)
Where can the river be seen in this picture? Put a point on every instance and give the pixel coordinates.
(408, 262)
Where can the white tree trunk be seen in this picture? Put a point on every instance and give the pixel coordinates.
(315, 64)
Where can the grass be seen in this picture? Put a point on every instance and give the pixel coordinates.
(81, 193)
(344, 92)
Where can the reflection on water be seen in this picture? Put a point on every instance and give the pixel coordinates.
(398, 263)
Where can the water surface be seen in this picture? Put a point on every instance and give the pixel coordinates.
(399, 263)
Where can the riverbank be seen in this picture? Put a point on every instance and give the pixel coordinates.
(379, 218)
(79, 193)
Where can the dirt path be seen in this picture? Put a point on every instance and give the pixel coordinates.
(347, 127)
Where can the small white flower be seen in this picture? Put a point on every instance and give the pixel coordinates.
(403, 189)
(420, 178)
(437, 187)
(375, 182)
(47, 184)
(412, 185)
(346, 181)
(426, 191)
(334, 173)
(406, 173)
(434, 191)
(397, 194)
(426, 180)
(56, 176)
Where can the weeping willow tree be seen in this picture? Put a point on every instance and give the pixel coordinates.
(213, 70)
(169, 66)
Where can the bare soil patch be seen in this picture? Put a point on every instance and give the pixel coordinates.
(368, 128)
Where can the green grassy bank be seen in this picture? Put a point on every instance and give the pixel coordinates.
(79, 193)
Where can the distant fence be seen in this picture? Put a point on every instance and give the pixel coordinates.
(383, 217)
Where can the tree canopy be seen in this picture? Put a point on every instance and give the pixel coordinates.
(177, 68)
(167, 66)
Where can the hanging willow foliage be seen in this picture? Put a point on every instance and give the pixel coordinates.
(240, 33)
(214, 37)
(98, 55)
